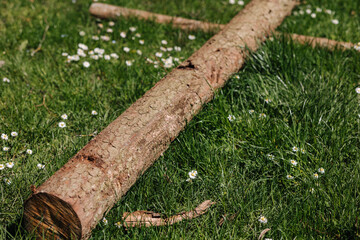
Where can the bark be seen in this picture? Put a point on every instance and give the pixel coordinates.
(103, 10)
(72, 201)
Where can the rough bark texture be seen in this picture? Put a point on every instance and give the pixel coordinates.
(91, 182)
(103, 10)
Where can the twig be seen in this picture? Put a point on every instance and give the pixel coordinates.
(42, 40)
(148, 219)
(43, 104)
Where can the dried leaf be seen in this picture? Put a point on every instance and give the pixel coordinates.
(262, 234)
(148, 218)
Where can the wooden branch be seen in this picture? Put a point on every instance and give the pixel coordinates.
(72, 201)
(151, 219)
(103, 10)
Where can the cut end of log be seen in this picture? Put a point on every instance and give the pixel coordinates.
(51, 218)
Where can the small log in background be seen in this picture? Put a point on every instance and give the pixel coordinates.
(72, 201)
(103, 10)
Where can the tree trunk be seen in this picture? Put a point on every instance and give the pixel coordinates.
(103, 10)
(72, 201)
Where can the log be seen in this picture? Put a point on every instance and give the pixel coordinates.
(103, 10)
(71, 202)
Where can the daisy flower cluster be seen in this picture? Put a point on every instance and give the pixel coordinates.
(241, 3)
(128, 46)
(313, 12)
(8, 161)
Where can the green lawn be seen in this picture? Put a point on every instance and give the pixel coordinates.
(286, 96)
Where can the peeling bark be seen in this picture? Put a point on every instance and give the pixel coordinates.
(103, 10)
(72, 201)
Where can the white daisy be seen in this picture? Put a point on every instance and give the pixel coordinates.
(105, 38)
(232, 1)
(263, 219)
(118, 224)
(321, 170)
(86, 64)
(82, 33)
(109, 30)
(193, 174)
(29, 151)
(114, 55)
(191, 37)
(241, 3)
(107, 57)
(123, 34)
(268, 100)
(357, 90)
(4, 136)
(64, 54)
(164, 42)
(262, 115)
(126, 49)
(40, 166)
(10, 164)
(308, 11)
(295, 149)
(104, 221)
(318, 9)
(169, 49)
(293, 162)
(14, 134)
(111, 24)
(7, 181)
(231, 118)
(137, 35)
(100, 25)
(132, 29)
(83, 46)
(270, 156)
(139, 52)
(141, 42)
(128, 63)
(64, 116)
(302, 150)
(95, 57)
(5, 149)
(158, 54)
(93, 112)
(177, 48)
(163, 49)
(62, 124)
(2, 166)
(316, 176)
(251, 111)
(5, 79)
(289, 177)
(335, 21)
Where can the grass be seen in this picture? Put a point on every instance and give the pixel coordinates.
(313, 106)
